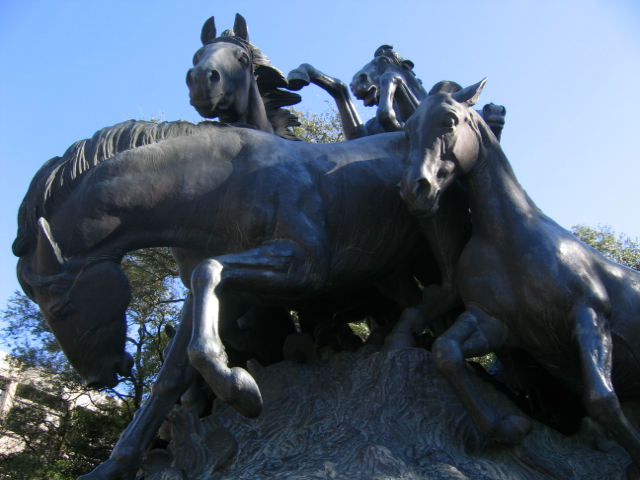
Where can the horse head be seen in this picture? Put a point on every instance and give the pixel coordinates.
(84, 302)
(222, 76)
(444, 142)
(366, 82)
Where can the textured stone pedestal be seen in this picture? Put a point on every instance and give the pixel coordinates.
(369, 415)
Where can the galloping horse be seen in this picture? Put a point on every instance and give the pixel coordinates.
(526, 282)
(232, 79)
(387, 81)
(221, 73)
(252, 219)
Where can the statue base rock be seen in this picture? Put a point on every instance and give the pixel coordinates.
(370, 415)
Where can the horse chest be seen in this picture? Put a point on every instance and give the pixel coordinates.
(516, 286)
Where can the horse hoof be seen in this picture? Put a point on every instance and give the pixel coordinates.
(512, 429)
(297, 80)
(248, 399)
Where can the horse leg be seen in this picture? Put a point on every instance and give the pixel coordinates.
(392, 87)
(447, 234)
(174, 379)
(351, 123)
(476, 333)
(600, 399)
(273, 268)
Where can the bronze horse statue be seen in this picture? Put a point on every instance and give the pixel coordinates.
(526, 282)
(252, 219)
(233, 80)
(221, 59)
(387, 81)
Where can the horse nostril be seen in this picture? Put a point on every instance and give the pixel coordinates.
(214, 76)
(363, 77)
(421, 187)
(190, 77)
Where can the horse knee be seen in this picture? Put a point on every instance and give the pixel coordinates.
(447, 356)
(602, 407)
(207, 272)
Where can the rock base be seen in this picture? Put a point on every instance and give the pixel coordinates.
(370, 415)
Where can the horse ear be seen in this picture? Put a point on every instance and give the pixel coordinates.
(407, 64)
(470, 95)
(208, 31)
(45, 230)
(240, 27)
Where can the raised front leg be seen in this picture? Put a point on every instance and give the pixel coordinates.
(173, 380)
(394, 93)
(594, 341)
(278, 269)
(351, 123)
(476, 333)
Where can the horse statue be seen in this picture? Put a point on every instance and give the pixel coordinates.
(220, 59)
(252, 219)
(526, 282)
(233, 80)
(387, 81)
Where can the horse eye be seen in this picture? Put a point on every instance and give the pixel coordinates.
(244, 60)
(449, 120)
(195, 59)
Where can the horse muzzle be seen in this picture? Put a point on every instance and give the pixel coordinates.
(107, 377)
(367, 93)
(421, 199)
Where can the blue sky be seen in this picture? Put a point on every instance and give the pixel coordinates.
(567, 71)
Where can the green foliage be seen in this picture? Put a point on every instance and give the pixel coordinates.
(361, 329)
(621, 249)
(157, 298)
(65, 442)
(319, 128)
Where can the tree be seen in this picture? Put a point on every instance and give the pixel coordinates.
(324, 127)
(70, 441)
(621, 249)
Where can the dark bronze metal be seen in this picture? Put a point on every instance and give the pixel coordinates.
(526, 282)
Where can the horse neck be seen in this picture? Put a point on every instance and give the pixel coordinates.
(496, 198)
(256, 113)
(415, 85)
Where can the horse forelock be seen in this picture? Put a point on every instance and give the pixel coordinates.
(388, 52)
(58, 177)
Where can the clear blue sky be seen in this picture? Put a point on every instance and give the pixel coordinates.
(567, 71)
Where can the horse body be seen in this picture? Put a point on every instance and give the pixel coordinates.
(229, 180)
(253, 219)
(526, 282)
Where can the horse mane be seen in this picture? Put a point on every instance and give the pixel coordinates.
(388, 52)
(55, 180)
(271, 82)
